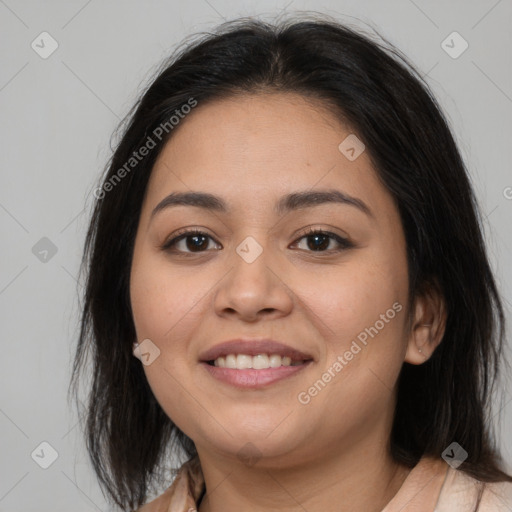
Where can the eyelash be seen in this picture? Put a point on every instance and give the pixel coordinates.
(343, 242)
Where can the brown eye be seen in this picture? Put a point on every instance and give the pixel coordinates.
(192, 241)
(196, 242)
(320, 241)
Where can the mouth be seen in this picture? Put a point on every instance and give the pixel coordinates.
(257, 362)
(243, 353)
(247, 363)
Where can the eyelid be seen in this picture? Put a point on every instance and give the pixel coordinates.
(344, 242)
(184, 233)
(314, 228)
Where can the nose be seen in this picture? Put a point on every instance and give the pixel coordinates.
(253, 289)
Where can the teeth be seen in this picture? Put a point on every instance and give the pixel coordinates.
(243, 361)
(258, 362)
(274, 361)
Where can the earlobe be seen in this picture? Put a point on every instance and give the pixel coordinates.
(420, 347)
(427, 328)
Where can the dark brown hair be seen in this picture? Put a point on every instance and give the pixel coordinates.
(391, 109)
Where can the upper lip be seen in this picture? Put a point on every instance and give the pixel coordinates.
(253, 347)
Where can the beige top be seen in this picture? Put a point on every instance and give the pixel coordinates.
(431, 486)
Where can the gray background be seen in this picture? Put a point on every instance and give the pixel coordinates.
(57, 116)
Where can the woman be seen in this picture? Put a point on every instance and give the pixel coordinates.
(287, 241)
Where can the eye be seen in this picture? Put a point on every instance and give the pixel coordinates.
(318, 240)
(195, 241)
(191, 241)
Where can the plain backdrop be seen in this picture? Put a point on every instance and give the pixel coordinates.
(58, 112)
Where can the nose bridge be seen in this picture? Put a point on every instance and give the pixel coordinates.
(251, 285)
(250, 250)
(250, 260)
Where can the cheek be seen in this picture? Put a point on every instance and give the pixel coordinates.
(163, 311)
(162, 302)
(350, 298)
(364, 352)
(362, 306)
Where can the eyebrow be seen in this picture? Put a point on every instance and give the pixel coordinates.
(290, 202)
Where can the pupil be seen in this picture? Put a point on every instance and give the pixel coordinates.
(195, 246)
(322, 246)
(324, 242)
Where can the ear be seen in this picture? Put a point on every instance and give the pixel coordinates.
(428, 323)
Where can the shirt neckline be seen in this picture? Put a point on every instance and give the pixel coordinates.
(425, 481)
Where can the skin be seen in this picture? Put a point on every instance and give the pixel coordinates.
(251, 150)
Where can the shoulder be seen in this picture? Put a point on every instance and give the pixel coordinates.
(461, 492)
(497, 497)
(160, 504)
(183, 493)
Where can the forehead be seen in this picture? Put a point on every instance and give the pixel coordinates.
(261, 146)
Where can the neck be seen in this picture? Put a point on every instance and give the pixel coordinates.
(358, 479)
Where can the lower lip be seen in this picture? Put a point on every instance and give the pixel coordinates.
(250, 378)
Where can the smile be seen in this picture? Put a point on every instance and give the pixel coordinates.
(244, 377)
(257, 362)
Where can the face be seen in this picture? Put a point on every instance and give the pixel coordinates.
(325, 278)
